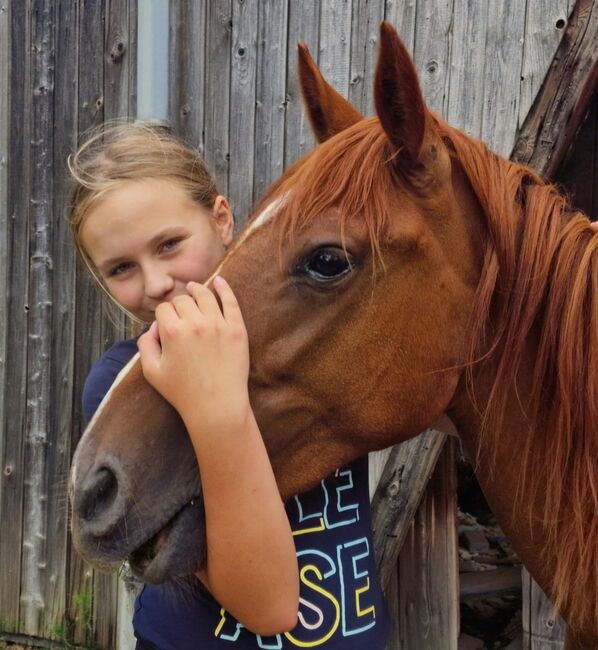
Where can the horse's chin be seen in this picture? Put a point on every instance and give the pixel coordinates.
(177, 549)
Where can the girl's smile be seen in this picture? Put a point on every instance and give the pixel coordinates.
(147, 238)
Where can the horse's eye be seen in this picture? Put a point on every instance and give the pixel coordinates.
(325, 263)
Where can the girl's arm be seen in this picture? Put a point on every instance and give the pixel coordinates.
(197, 357)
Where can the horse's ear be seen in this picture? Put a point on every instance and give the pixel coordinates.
(329, 113)
(397, 94)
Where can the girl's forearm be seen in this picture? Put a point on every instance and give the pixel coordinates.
(251, 560)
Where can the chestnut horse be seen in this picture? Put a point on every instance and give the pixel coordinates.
(399, 271)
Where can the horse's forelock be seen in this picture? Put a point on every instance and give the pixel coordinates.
(352, 173)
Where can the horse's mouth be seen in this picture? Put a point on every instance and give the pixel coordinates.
(177, 549)
(147, 552)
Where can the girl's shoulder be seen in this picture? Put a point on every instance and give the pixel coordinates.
(104, 372)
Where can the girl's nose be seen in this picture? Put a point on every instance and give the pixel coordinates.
(158, 284)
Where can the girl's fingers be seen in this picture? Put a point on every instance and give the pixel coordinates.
(230, 305)
(149, 348)
(185, 307)
(165, 313)
(205, 299)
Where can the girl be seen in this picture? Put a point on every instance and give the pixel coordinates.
(149, 226)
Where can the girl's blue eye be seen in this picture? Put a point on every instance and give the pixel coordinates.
(169, 244)
(120, 269)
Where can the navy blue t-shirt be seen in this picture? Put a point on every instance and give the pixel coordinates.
(341, 604)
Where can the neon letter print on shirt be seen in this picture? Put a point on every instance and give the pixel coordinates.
(335, 582)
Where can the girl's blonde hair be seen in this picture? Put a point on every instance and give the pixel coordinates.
(118, 151)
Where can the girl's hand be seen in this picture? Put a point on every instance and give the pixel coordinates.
(196, 356)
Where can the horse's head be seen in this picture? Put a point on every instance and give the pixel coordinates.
(355, 277)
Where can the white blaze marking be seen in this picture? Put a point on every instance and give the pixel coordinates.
(261, 220)
(96, 415)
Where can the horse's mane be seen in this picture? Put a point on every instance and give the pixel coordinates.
(539, 278)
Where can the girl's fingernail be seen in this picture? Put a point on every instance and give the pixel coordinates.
(219, 280)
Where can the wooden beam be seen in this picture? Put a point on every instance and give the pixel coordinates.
(399, 493)
(563, 100)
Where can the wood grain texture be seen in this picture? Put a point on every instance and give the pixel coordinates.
(187, 70)
(563, 99)
(87, 309)
(217, 97)
(334, 54)
(428, 565)
(244, 61)
(399, 493)
(63, 320)
(303, 26)
(15, 269)
(270, 106)
(4, 217)
(545, 26)
(543, 629)
(504, 55)
(432, 51)
(465, 105)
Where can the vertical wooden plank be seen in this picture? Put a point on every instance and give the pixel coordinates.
(129, 588)
(367, 16)
(63, 320)
(432, 51)
(506, 24)
(334, 56)
(545, 25)
(217, 90)
(303, 26)
(4, 130)
(187, 70)
(13, 424)
(87, 344)
(399, 494)
(117, 60)
(428, 566)
(391, 598)
(543, 629)
(244, 60)
(39, 339)
(104, 609)
(270, 95)
(132, 59)
(402, 15)
(468, 66)
(119, 80)
(5, 84)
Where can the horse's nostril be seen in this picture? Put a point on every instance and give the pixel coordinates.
(100, 496)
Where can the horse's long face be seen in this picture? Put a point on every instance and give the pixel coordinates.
(352, 348)
(357, 325)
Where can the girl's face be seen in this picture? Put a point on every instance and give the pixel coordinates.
(148, 238)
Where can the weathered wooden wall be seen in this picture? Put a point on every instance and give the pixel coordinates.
(66, 65)
(66, 73)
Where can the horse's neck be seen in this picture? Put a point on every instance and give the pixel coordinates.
(499, 470)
